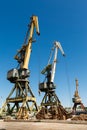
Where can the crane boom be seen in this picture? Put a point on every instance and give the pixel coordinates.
(76, 95)
(34, 23)
(77, 85)
(57, 46)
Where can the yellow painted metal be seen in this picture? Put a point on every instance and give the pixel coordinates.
(34, 23)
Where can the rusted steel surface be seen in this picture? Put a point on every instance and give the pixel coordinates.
(53, 113)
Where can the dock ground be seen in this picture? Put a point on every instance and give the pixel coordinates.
(41, 126)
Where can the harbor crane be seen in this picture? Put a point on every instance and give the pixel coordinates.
(77, 100)
(21, 94)
(50, 100)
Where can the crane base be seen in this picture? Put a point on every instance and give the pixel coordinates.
(20, 96)
(51, 108)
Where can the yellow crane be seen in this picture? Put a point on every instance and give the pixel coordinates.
(21, 95)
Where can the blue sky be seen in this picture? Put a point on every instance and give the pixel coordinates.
(59, 20)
